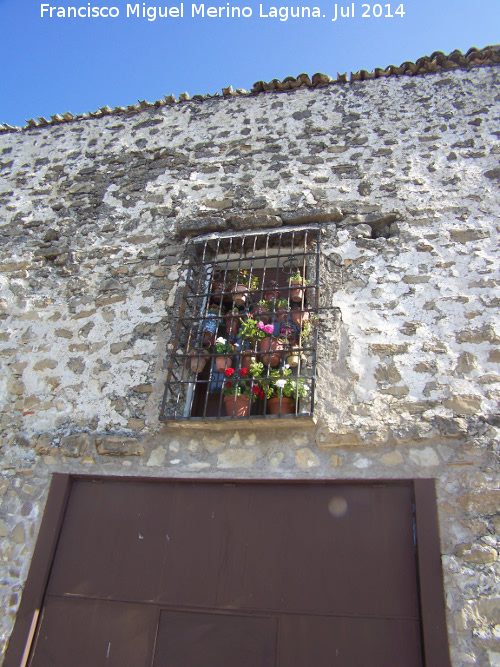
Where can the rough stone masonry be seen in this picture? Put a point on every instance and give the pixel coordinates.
(403, 173)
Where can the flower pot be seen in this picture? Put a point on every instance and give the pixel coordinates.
(247, 357)
(270, 351)
(233, 323)
(261, 313)
(296, 291)
(237, 406)
(240, 294)
(222, 362)
(217, 292)
(280, 406)
(198, 360)
(299, 317)
(282, 313)
(270, 294)
(294, 357)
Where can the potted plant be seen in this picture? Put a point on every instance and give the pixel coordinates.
(261, 311)
(198, 360)
(271, 292)
(252, 330)
(270, 347)
(217, 288)
(297, 284)
(284, 390)
(282, 310)
(299, 317)
(232, 321)
(239, 392)
(223, 354)
(294, 356)
(243, 282)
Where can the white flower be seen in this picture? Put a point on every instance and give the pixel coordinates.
(280, 383)
(221, 340)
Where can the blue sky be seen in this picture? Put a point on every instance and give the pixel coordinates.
(54, 65)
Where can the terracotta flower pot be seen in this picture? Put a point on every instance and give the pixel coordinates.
(282, 313)
(296, 291)
(237, 406)
(270, 351)
(233, 324)
(261, 313)
(247, 357)
(271, 294)
(299, 317)
(287, 406)
(222, 362)
(240, 294)
(217, 293)
(198, 360)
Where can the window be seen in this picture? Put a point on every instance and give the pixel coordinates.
(246, 340)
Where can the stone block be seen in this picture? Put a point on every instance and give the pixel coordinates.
(64, 333)
(45, 364)
(484, 334)
(466, 235)
(255, 221)
(463, 405)
(392, 458)
(115, 445)
(236, 458)
(483, 501)
(388, 349)
(76, 445)
(328, 438)
(219, 204)
(143, 388)
(425, 457)
(305, 458)
(196, 226)
(305, 216)
(476, 553)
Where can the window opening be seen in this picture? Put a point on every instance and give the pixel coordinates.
(247, 331)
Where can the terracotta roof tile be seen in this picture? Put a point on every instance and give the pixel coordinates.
(437, 61)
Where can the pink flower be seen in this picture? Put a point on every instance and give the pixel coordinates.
(261, 325)
(269, 328)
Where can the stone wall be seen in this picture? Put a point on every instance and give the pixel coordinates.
(403, 174)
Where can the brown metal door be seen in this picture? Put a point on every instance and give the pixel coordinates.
(188, 574)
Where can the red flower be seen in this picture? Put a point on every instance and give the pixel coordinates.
(243, 371)
(256, 390)
(229, 372)
(228, 384)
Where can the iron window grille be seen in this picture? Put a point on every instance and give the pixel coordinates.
(246, 338)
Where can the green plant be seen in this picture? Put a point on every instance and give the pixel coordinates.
(222, 346)
(307, 327)
(281, 382)
(297, 277)
(238, 384)
(253, 329)
(243, 277)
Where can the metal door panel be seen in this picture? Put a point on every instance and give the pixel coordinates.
(311, 641)
(215, 640)
(89, 633)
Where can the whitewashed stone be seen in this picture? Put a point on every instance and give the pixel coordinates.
(157, 457)
(425, 457)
